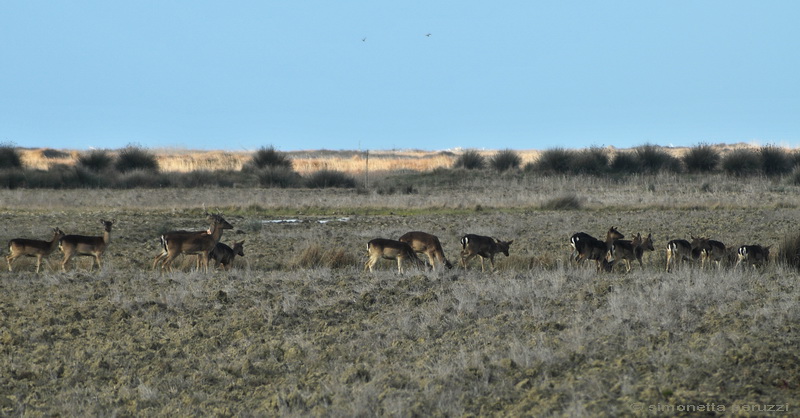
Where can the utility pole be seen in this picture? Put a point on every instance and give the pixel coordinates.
(366, 170)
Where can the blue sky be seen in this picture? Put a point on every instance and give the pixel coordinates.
(364, 74)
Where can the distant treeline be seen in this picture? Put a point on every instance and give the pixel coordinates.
(135, 167)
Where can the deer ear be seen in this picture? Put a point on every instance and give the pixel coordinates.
(511, 242)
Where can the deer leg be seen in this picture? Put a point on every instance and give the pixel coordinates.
(64, 262)
(38, 262)
(433, 262)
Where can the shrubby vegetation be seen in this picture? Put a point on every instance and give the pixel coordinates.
(505, 160)
(134, 167)
(471, 160)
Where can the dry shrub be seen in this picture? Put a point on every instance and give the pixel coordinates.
(789, 251)
(316, 255)
(566, 202)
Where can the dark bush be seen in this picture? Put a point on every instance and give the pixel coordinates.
(775, 161)
(95, 160)
(625, 163)
(741, 162)
(554, 161)
(9, 157)
(11, 178)
(505, 160)
(330, 178)
(789, 251)
(317, 256)
(202, 178)
(566, 202)
(470, 160)
(134, 158)
(91, 179)
(283, 177)
(142, 179)
(268, 157)
(702, 158)
(653, 159)
(592, 161)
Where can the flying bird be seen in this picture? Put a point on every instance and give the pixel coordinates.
(428, 35)
(364, 39)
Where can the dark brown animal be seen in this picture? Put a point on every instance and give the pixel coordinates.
(224, 255)
(754, 255)
(590, 248)
(485, 247)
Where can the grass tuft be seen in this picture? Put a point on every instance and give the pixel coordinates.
(702, 158)
(470, 160)
(135, 158)
(505, 160)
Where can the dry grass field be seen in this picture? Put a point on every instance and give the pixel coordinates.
(281, 334)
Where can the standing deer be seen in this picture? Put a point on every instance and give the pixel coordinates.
(754, 255)
(632, 250)
(711, 250)
(590, 248)
(72, 245)
(224, 255)
(391, 250)
(679, 250)
(485, 247)
(32, 248)
(200, 243)
(422, 242)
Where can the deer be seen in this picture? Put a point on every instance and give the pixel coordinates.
(485, 247)
(224, 255)
(390, 249)
(711, 250)
(628, 251)
(679, 250)
(19, 247)
(590, 248)
(200, 243)
(754, 255)
(92, 246)
(424, 243)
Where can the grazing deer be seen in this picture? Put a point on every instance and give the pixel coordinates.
(711, 250)
(679, 250)
(590, 248)
(422, 242)
(754, 255)
(72, 245)
(391, 250)
(578, 241)
(32, 248)
(486, 247)
(200, 243)
(628, 251)
(224, 255)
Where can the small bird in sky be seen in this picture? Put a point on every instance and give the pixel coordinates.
(428, 35)
(364, 39)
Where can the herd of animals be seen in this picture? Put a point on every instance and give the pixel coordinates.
(206, 246)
